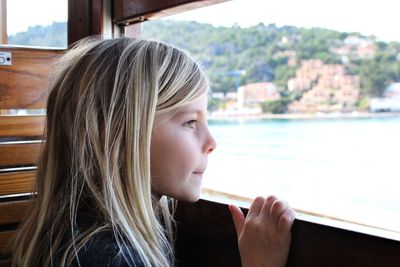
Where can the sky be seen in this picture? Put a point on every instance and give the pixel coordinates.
(370, 17)
(24, 13)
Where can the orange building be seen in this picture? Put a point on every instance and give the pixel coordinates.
(252, 94)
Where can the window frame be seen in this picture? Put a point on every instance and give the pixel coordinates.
(206, 237)
(3, 22)
(85, 18)
(127, 12)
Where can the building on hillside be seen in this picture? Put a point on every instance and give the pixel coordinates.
(356, 47)
(390, 101)
(305, 75)
(384, 105)
(329, 88)
(291, 56)
(392, 91)
(252, 94)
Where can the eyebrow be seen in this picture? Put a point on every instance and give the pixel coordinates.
(190, 110)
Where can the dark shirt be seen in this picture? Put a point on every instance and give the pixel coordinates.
(103, 251)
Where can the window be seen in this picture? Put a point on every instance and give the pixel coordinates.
(33, 33)
(36, 23)
(321, 127)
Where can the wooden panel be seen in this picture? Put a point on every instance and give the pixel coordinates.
(129, 11)
(3, 22)
(17, 182)
(24, 84)
(206, 226)
(6, 239)
(85, 18)
(5, 263)
(18, 154)
(13, 212)
(21, 126)
(206, 237)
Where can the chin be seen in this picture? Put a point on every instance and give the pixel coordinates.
(194, 199)
(195, 196)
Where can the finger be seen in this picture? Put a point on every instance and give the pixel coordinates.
(255, 207)
(277, 209)
(238, 218)
(286, 221)
(265, 210)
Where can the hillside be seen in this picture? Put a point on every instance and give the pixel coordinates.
(54, 35)
(233, 56)
(263, 52)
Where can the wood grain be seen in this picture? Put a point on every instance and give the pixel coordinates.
(14, 211)
(21, 126)
(85, 18)
(24, 84)
(6, 240)
(3, 22)
(17, 182)
(206, 237)
(5, 263)
(128, 11)
(19, 154)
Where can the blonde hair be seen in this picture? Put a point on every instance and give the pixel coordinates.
(94, 170)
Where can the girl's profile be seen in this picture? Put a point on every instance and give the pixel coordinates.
(127, 136)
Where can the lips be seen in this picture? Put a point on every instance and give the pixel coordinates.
(199, 173)
(201, 170)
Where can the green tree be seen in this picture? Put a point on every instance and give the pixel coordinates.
(377, 73)
(54, 35)
(282, 75)
(223, 50)
(277, 106)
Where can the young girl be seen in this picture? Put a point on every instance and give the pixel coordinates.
(126, 132)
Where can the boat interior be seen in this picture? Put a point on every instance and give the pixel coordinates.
(205, 231)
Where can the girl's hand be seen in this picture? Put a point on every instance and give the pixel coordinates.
(264, 235)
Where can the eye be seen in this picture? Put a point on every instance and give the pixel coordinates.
(190, 123)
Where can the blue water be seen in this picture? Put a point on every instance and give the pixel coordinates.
(345, 168)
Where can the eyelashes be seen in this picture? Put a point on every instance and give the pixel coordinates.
(190, 123)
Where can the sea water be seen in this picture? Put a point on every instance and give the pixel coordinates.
(344, 168)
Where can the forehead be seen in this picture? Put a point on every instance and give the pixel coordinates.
(197, 105)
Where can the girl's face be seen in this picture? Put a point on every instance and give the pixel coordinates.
(180, 145)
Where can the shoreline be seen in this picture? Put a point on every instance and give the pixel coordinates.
(304, 116)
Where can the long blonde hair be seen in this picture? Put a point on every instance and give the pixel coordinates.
(94, 170)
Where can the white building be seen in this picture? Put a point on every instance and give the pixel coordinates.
(390, 101)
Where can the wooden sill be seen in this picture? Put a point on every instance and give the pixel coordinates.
(306, 216)
(206, 237)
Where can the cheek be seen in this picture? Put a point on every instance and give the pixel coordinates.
(171, 155)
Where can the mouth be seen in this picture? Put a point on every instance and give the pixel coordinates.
(200, 171)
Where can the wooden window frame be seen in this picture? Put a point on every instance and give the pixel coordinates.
(206, 237)
(85, 18)
(3, 22)
(207, 225)
(127, 12)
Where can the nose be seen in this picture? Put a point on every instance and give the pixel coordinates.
(210, 144)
